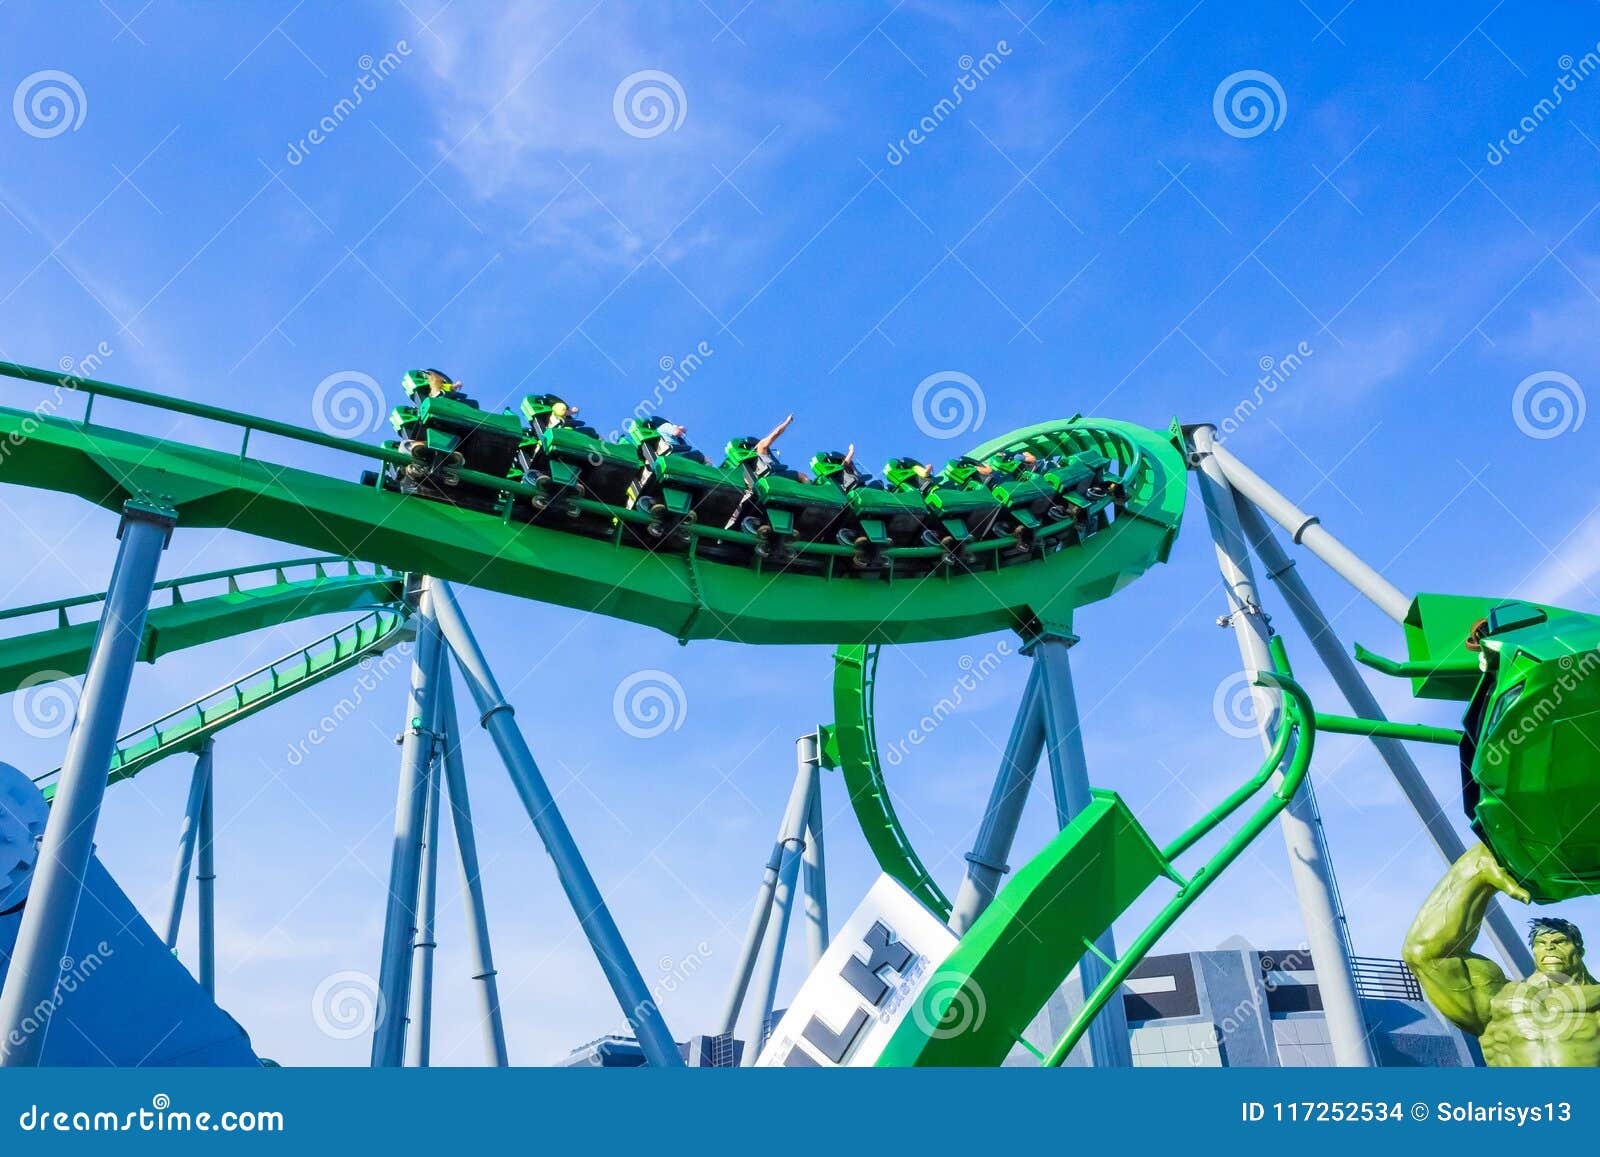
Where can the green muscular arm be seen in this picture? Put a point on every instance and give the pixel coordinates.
(1457, 981)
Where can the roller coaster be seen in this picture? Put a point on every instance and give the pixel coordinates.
(1015, 535)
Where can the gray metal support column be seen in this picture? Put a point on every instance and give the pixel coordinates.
(419, 1026)
(205, 878)
(42, 938)
(1312, 874)
(791, 834)
(1305, 530)
(769, 960)
(1107, 1038)
(814, 873)
(1281, 570)
(199, 781)
(986, 863)
(476, 915)
(405, 857)
(638, 1005)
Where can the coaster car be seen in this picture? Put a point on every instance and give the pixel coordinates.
(674, 482)
(779, 501)
(444, 434)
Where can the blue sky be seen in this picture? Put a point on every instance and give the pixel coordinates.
(1084, 232)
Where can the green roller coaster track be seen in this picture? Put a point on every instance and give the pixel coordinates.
(999, 960)
(1021, 949)
(1030, 580)
(189, 619)
(853, 748)
(683, 594)
(186, 728)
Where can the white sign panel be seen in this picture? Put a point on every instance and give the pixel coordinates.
(865, 985)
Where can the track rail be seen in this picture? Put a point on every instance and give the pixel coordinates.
(187, 727)
(854, 673)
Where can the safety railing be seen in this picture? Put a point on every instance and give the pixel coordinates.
(1379, 978)
(247, 694)
(322, 566)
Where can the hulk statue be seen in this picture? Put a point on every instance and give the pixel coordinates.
(1550, 1019)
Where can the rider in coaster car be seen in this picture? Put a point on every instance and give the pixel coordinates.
(420, 385)
(758, 458)
(964, 473)
(909, 474)
(657, 437)
(1005, 464)
(552, 411)
(830, 466)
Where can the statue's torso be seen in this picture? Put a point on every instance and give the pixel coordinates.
(1537, 1023)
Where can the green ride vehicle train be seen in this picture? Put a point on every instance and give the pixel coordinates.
(749, 509)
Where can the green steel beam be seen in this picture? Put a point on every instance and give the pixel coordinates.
(1388, 729)
(1298, 715)
(990, 988)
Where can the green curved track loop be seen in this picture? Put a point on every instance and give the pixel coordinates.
(187, 727)
(974, 1008)
(854, 668)
(183, 615)
(684, 595)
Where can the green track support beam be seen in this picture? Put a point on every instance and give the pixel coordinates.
(990, 988)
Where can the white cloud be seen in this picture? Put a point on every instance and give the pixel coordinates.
(524, 103)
